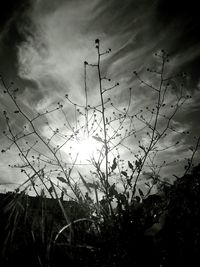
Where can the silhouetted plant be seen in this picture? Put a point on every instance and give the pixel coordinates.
(112, 206)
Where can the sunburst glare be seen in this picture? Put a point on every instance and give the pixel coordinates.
(83, 149)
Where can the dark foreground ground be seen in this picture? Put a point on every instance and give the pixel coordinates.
(162, 230)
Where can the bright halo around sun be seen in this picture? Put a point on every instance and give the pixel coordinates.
(84, 149)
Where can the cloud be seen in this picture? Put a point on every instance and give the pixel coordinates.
(52, 39)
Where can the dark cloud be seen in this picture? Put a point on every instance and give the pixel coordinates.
(11, 20)
(125, 15)
(183, 15)
(16, 26)
(9, 8)
(183, 19)
(172, 25)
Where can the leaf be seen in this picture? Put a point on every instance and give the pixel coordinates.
(137, 198)
(147, 184)
(17, 190)
(114, 165)
(92, 185)
(191, 148)
(124, 173)
(50, 189)
(129, 181)
(122, 198)
(63, 180)
(98, 139)
(142, 148)
(130, 165)
(70, 170)
(141, 193)
(88, 197)
(84, 182)
(112, 191)
(64, 190)
(138, 164)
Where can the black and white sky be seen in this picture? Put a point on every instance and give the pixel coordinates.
(43, 44)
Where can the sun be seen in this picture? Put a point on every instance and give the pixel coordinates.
(84, 149)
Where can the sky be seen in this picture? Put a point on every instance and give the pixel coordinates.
(43, 45)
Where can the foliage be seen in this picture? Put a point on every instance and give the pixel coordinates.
(162, 230)
(179, 239)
